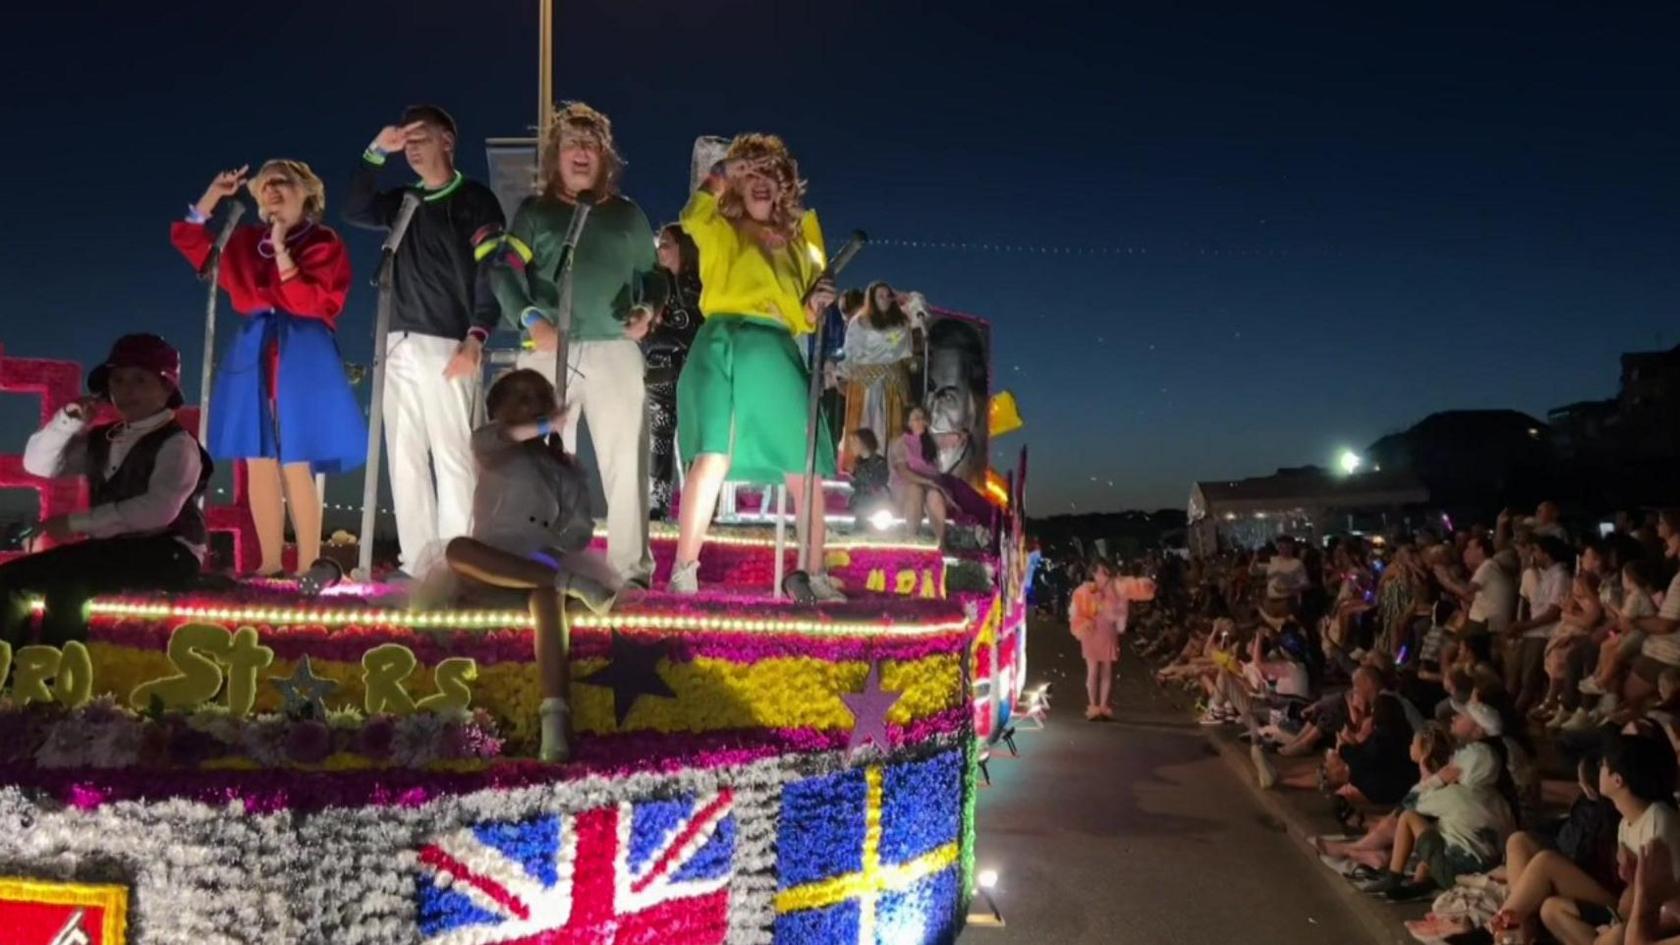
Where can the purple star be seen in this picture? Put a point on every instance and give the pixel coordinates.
(869, 712)
(632, 671)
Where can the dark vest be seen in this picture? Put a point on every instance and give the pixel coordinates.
(133, 477)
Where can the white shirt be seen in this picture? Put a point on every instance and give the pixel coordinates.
(1671, 600)
(1551, 587)
(1662, 647)
(1471, 814)
(1495, 601)
(1659, 820)
(1285, 577)
(60, 449)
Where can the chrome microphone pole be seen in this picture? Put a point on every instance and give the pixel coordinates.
(376, 403)
(211, 274)
(797, 584)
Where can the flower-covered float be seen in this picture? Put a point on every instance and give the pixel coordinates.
(251, 765)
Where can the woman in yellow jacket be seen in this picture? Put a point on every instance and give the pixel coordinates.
(742, 397)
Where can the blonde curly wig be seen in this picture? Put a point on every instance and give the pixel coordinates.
(314, 192)
(767, 155)
(579, 124)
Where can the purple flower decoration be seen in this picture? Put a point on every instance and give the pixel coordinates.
(377, 737)
(308, 742)
(192, 747)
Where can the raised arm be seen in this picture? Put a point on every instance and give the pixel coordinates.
(366, 206)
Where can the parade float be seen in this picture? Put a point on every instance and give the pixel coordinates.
(250, 763)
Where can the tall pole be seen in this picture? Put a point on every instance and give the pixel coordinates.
(545, 71)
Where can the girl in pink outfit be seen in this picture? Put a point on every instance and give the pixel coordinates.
(1099, 611)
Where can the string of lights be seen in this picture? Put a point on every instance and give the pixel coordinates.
(1041, 249)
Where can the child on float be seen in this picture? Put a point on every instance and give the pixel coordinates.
(143, 528)
(530, 529)
(743, 396)
(281, 400)
(870, 475)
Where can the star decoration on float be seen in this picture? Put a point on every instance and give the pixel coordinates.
(304, 688)
(869, 709)
(631, 672)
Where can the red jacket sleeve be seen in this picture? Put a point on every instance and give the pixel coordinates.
(322, 280)
(193, 240)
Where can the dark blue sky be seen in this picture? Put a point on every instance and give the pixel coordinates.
(1342, 220)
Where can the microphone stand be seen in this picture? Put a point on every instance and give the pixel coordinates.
(211, 274)
(798, 584)
(585, 202)
(376, 403)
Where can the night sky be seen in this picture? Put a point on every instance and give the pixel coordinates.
(1240, 238)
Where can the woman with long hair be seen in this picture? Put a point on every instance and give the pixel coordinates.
(876, 367)
(666, 348)
(918, 484)
(281, 401)
(605, 310)
(743, 394)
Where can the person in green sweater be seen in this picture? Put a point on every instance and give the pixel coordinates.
(615, 289)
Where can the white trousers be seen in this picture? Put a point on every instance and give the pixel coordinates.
(428, 429)
(606, 381)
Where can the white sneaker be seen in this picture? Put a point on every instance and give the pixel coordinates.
(1590, 687)
(1560, 717)
(1581, 721)
(552, 714)
(1264, 773)
(825, 590)
(685, 579)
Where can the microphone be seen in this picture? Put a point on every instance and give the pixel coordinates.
(405, 216)
(585, 203)
(236, 209)
(841, 260)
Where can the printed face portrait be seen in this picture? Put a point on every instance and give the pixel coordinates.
(956, 395)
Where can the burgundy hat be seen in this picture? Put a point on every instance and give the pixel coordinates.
(141, 351)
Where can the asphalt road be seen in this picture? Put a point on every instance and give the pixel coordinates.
(1135, 831)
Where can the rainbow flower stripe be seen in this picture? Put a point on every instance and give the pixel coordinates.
(782, 689)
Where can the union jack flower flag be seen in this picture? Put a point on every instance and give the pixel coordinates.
(629, 874)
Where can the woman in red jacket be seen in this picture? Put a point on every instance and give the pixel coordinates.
(281, 400)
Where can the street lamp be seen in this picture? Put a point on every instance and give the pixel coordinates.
(1349, 462)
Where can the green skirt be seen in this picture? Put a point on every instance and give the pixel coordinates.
(744, 393)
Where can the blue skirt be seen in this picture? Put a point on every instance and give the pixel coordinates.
(316, 418)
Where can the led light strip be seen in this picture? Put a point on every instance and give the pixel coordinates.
(756, 541)
(485, 619)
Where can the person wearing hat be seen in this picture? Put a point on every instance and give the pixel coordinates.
(440, 320)
(615, 288)
(1463, 815)
(281, 400)
(142, 529)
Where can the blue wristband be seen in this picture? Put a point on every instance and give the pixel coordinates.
(544, 428)
(530, 317)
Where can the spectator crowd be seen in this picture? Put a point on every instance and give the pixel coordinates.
(1492, 714)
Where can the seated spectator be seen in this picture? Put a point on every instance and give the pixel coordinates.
(144, 529)
(1462, 817)
(1580, 614)
(1432, 749)
(1623, 644)
(1586, 836)
(1371, 763)
(1637, 775)
(1662, 643)
(1547, 584)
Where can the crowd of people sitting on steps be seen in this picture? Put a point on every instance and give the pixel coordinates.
(1492, 715)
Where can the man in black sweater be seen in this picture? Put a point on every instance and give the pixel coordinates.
(439, 323)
